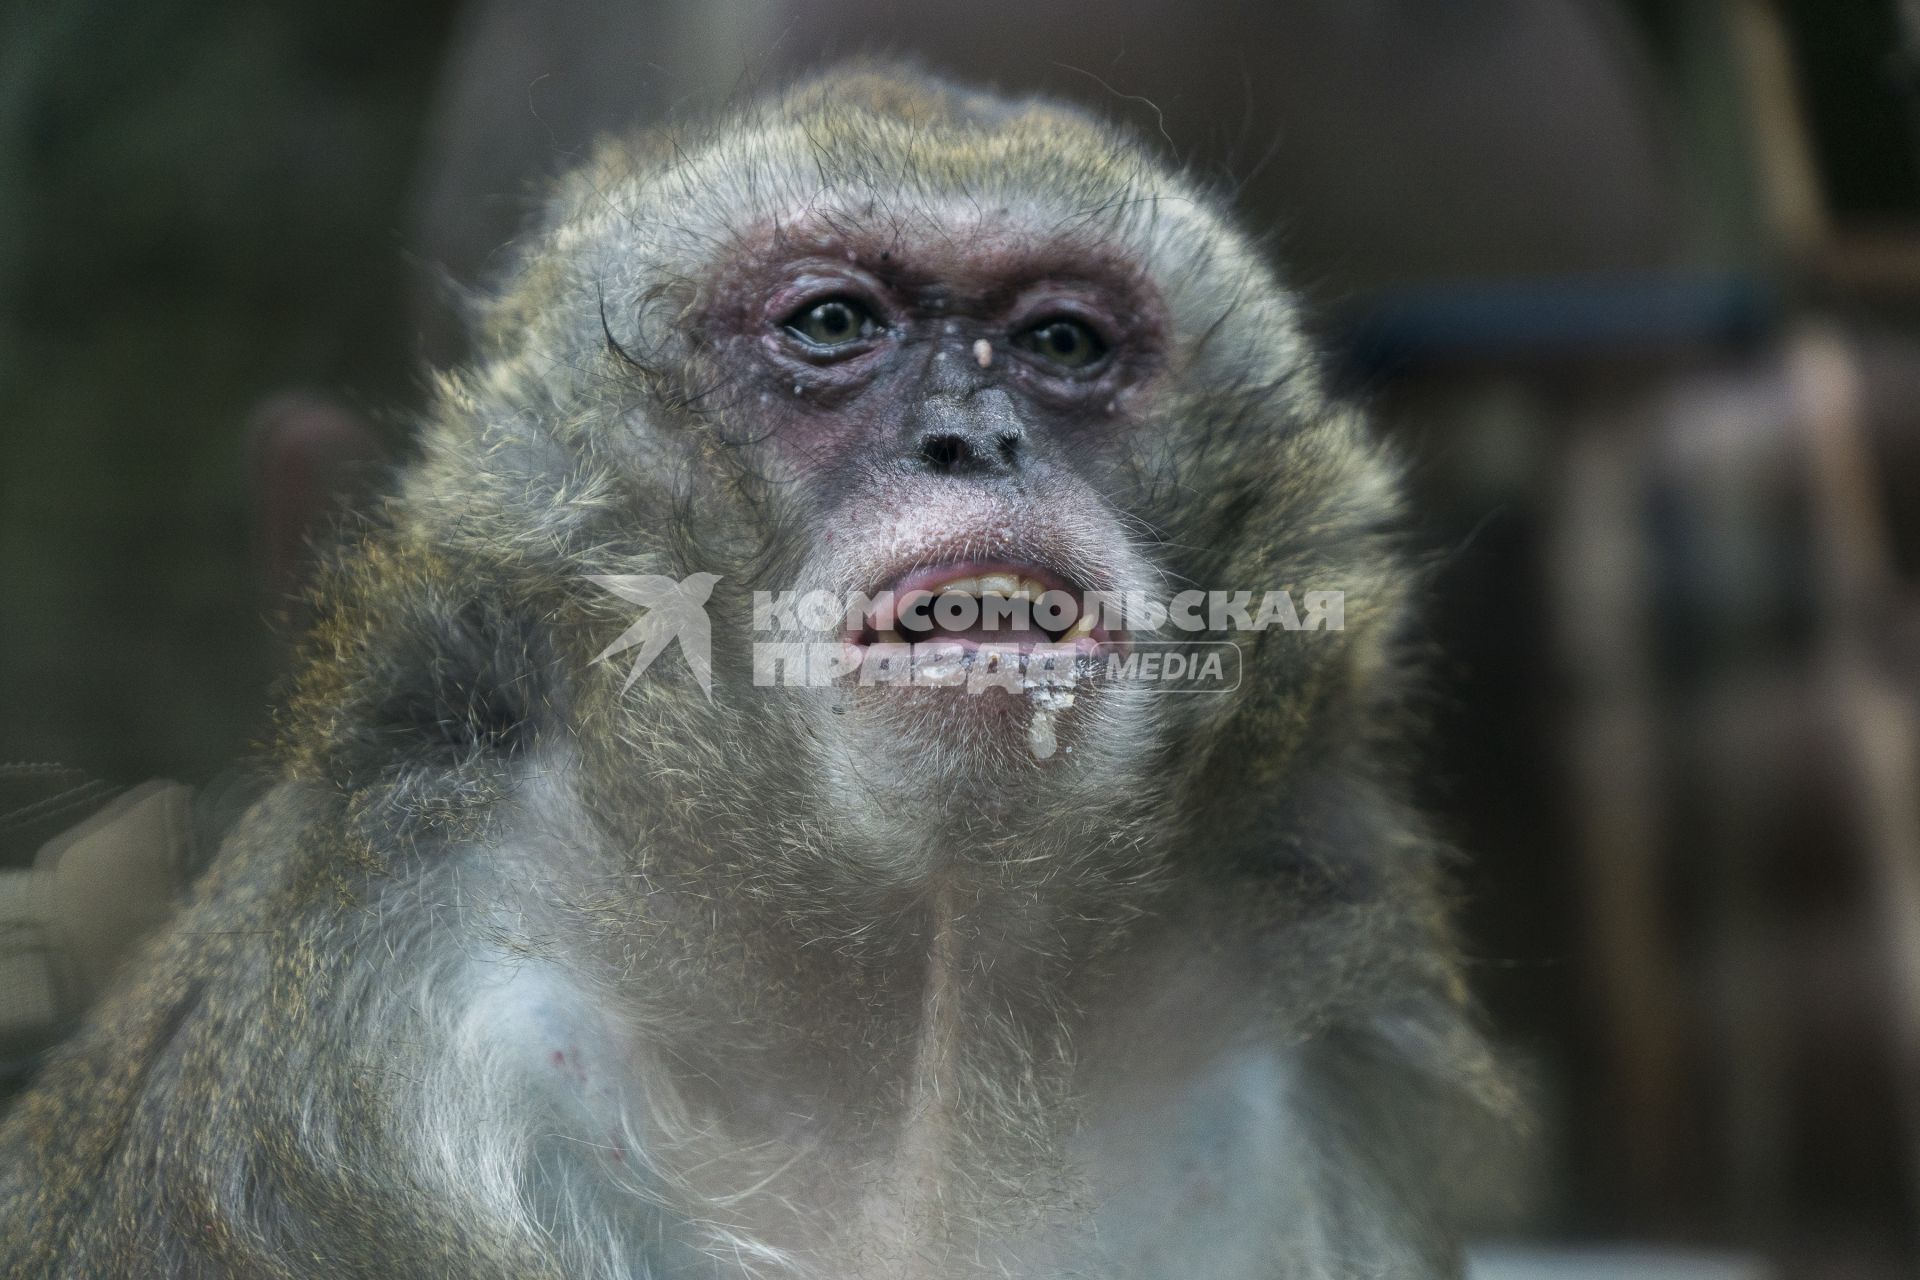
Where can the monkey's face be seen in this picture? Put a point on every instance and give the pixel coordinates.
(946, 402)
(965, 375)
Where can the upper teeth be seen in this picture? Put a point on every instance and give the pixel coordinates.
(1010, 585)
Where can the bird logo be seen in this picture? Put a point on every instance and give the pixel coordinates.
(675, 610)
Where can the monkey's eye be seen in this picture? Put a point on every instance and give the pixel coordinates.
(1067, 343)
(835, 322)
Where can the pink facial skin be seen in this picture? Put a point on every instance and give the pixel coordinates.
(929, 292)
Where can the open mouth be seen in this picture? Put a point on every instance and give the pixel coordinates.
(984, 603)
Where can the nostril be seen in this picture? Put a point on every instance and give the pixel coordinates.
(946, 452)
(1009, 445)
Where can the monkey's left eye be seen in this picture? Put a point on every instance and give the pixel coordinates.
(1064, 342)
(836, 322)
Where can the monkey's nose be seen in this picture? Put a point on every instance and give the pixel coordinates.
(979, 435)
(961, 453)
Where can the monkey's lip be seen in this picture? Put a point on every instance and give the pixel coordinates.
(971, 604)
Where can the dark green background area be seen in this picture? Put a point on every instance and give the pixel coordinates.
(199, 204)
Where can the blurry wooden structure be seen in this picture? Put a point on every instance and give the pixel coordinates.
(1699, 586)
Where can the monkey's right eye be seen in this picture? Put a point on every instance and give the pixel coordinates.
(835, 322)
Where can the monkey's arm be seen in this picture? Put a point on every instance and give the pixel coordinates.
(231, 1111)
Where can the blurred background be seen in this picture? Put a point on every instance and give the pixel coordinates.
(1636, 282)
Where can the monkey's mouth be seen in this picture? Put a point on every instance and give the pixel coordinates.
(975, 604)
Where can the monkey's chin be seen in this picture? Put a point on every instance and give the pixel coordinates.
(980, 705)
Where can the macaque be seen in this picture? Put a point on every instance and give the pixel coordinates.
(593, 928)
